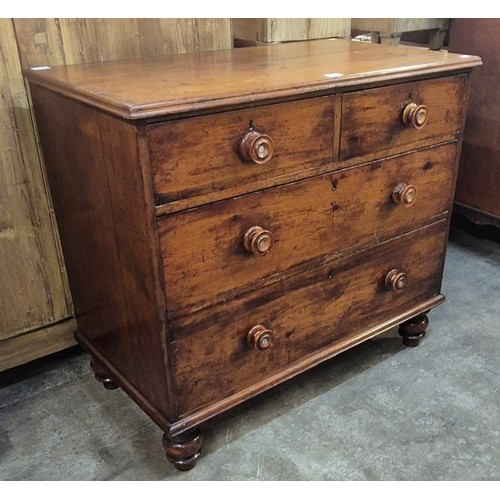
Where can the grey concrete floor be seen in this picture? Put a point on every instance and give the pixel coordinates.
(376, 412)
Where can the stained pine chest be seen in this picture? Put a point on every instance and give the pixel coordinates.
(230, 219)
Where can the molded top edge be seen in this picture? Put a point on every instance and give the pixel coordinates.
(184, 83)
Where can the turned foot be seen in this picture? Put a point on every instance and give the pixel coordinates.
(184, 449)
(413, 330)
(102, 376)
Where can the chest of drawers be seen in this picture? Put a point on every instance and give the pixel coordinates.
(231, 219)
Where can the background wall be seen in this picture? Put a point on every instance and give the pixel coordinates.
(35, 303)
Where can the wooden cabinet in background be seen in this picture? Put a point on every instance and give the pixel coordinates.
(268, 30)
(388, 31)
(36, 315)
(35, 306)
(478, 185)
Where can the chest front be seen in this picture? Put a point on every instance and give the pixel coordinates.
(232, 236)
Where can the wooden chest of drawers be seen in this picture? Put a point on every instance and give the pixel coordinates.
(231, 219)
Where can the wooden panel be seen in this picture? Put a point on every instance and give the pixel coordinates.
(309, 219)
(35, 344)
(394, 25)
(54, 42)
(372, 119)
(271, 30)
(328, 28)
(33, 290)
(200, 155)
(478, 184)
(104, 208)
(278, 30)
(308, 313)
(157, 87)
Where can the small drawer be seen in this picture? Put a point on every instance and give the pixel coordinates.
(230, 245)
(229, 348)
(196, 156)
(402, 116)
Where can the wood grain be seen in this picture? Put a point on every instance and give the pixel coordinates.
(306, 313)
(187, 315)
(163, 86)
(372, 119)
(204, 256)
(312, 171)
(105, 216)
(200, 155)
(58, 41)
(22, 348)
(194, 418)
(272, 30)
(33, 289)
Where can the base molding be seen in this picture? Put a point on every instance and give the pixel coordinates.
(476, 216)
(196, 417)
(28, 346)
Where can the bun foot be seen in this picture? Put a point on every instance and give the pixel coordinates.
(183, 450)
(413, 330)
(102, 376)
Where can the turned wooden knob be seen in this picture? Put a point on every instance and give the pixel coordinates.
(260, 337)
(256, 147)
(404, 194)
(415, 115)
(396, 280)
(258, 241)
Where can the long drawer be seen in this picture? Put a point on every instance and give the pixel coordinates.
(223, 350)
(195, 156)
(402, 116)
(212, 250)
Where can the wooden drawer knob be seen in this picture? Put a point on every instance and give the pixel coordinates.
(415, 115)
(256, 147)
(395, 280)
(404, 194)
(258, 241)
(260, 337)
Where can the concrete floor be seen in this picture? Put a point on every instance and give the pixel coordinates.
(377, 412)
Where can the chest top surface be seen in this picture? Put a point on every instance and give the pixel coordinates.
(168, 85)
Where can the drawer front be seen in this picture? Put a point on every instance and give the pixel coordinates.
(200, 155)
(204, 249)
(215, 354)
(372, 120)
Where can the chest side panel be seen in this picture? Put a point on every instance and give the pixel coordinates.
(106, 229)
